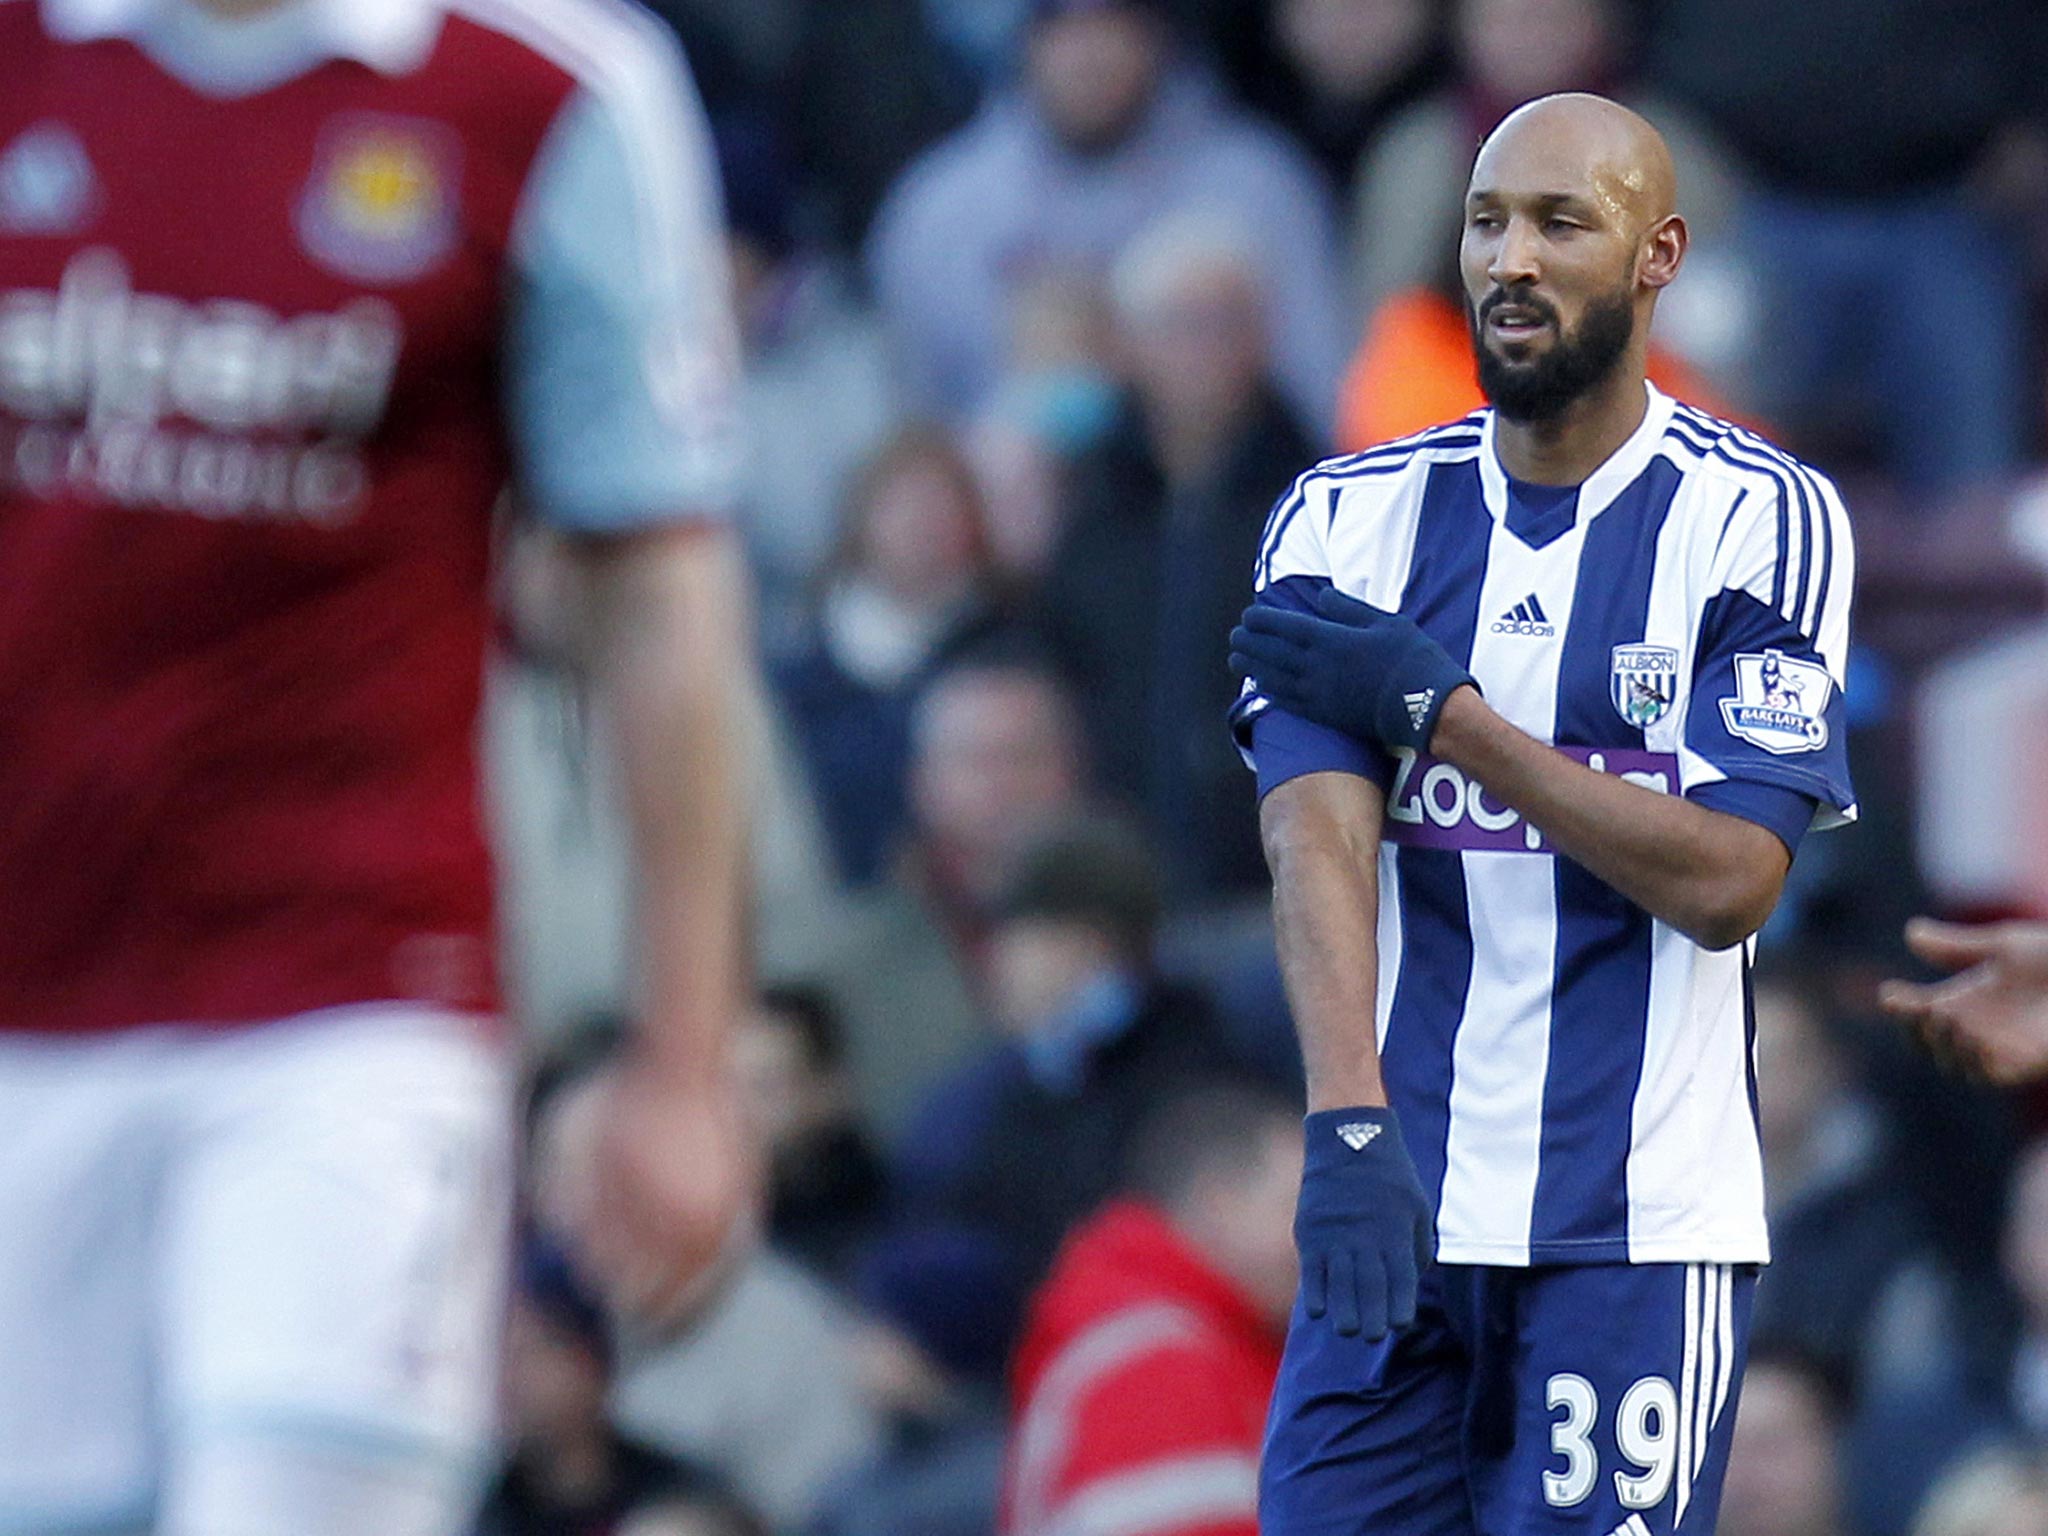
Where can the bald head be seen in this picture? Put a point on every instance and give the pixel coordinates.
(1569, 237)
(1577, 142)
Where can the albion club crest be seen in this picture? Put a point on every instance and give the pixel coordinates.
(381, 205)
(1643, 683)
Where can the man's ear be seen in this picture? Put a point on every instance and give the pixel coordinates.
(1663, 252)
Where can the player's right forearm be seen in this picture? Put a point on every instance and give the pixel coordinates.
(1322, 838)
(669, 619)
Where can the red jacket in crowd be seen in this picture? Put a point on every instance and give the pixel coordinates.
(1140, 1390)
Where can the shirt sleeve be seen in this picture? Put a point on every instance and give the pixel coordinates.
(1293, 566)
(1772, 653)
(621, 348)
(1785, 813)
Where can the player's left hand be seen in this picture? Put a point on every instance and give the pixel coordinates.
(1350, 666)
(674, 1192)
(1362, 1224)
(1991, 1017)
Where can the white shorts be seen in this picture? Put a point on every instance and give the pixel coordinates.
(298, 1228)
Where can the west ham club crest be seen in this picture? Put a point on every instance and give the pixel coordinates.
(382, 204)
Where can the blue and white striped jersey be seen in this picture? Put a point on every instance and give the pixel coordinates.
(1575, 1078)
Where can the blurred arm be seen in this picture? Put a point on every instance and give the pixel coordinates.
(662, 625)
(664, 619)
(620, 387)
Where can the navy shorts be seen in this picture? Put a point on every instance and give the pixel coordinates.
(1589, 1399)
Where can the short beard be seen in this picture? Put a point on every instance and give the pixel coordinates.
(1547, 386)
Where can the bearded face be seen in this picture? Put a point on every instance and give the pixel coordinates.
(1531, 366)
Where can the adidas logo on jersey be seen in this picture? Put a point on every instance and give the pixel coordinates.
(1418, 706)
(1526, 618)
(1358, 1134)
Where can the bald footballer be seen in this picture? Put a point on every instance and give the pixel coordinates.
(1542, 703)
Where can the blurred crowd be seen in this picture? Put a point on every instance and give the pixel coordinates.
(1042, 304)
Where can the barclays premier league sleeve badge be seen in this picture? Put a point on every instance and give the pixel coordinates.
(1643, 683)
(1779, 703)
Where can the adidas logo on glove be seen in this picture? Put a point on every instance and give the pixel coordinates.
(1357, 1134)
(1418, 706)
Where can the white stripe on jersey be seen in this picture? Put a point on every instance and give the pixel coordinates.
(1500, 1059)
(1502, 1054)
(1817, 596)
(1709, 1358)
(1724, 1335)
(1688, 1379)
(631, 63)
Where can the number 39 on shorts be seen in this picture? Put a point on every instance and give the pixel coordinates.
(1645, 1431)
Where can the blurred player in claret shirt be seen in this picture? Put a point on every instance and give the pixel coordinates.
(289, 291)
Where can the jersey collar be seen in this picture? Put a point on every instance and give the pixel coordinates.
(1613, 477)
(391, 36)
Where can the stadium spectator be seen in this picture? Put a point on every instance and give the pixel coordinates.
(1783, 1467)
(814, 372)
(1026, 1137)
(692, 1510)
(1140, 1390)
(826, 1188)
(995, 754)
(1891, 285)
(1985, 1378)
(567, 1471)
(763, 1388)
(1162, 521)
(746, 46)
(1408, 201)
(930, 1348)
(1062, 366)
(2025, 1254)
(909, 586)
(1996, 1492)
(755, 1379)
(874, 84)
(1058, 398)
(1961, 1363)
(560, 834)
(1110, 129)
(1842, 1229)
(1344, 68)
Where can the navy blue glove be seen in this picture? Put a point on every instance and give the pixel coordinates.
(1358, 669)
(1363, 1225)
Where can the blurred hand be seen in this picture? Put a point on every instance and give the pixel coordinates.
(665, 1198)
(1990, 1019)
